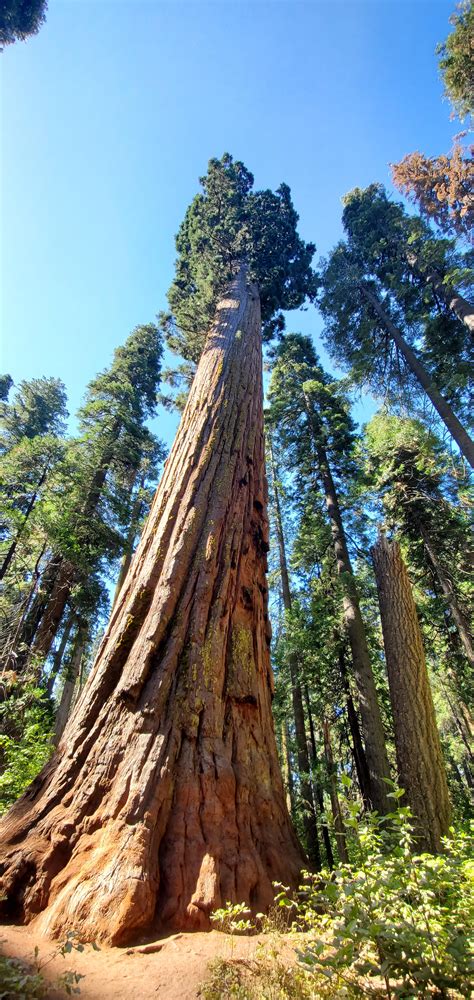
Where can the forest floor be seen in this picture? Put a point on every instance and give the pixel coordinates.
(166, 968)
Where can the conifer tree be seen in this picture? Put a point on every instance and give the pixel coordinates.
(94, 503)
(314, 422)
(367, 329)
(420, 764)
(37, 408)
(21, 18)
(442, 186)
(189, 810)
(31, 449)
(406, 464)
(308, 804)
(403, 253)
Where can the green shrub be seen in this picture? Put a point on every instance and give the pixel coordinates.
(393, 923)
(21, 980)
(26, 743)
(395, 916)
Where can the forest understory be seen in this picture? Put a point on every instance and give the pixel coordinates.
(236, 674)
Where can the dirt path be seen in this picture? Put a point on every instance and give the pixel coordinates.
(167, 968)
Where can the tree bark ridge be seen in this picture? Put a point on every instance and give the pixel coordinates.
(165, 796)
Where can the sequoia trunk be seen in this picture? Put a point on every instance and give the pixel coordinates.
(165, 798)
(420, 763)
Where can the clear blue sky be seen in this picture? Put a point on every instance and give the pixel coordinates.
(110, 114)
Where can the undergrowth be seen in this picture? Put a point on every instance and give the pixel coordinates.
(393, 923)
(20, 980)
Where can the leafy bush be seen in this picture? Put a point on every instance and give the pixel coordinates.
(267, 978)
(21, 980)
(23, 748)
(231, 919)
(396, 915)
(393, 923)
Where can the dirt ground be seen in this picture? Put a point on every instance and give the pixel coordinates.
(166, 968)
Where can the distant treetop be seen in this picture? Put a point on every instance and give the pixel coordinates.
(226, 226)
(19, 19)
(457, 60)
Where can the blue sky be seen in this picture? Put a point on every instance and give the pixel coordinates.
(110, 114)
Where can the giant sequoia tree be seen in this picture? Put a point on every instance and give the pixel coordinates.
(165, 797)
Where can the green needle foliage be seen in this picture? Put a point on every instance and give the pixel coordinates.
(226, 226)
(457, 54)
(38, 408)
(21, 18)
(415, 278)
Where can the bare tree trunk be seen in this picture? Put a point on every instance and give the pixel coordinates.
(460, 306)
(71, 675)
(61, 575)
(54, 610)
(287, 771)
(165, 797)
(335, 804)
(130, 540)
(420, 763)
(58, 656)
(10, 657)
(358, 752)
(449, 594)
(304, 769)
(317, 790)
(372, 726)
(36, 609)
(443, 409)
(12, 548)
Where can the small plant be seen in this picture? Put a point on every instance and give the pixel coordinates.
(233, 919)
(267, 978)
(21, 980)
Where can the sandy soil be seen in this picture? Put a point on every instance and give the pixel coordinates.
(166, 968)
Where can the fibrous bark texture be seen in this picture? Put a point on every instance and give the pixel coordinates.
(420, 763)
(165, 798)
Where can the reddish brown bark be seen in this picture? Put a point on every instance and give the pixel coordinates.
(420, 763)
(165, 796)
